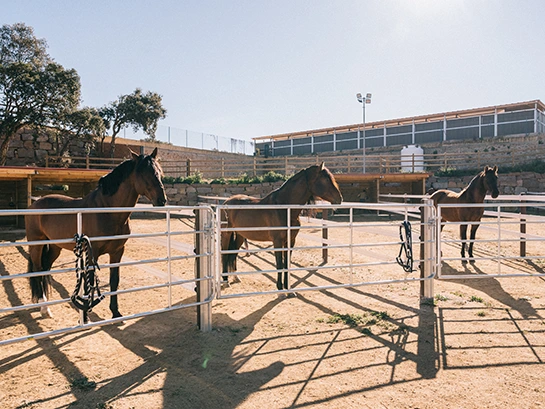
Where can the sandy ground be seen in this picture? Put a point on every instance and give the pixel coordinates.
(480, 344)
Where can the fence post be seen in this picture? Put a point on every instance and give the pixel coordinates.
(427, 253)
(203, 270)
(222, 167)
(255, 166)
(46, 161)
(325, 245)
(522, 231)
(87, 162)
(188, 168)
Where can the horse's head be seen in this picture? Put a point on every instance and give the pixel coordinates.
(490, 180)
(322, 184)
(147, 181)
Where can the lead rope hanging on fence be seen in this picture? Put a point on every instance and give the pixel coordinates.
(406, 247)
(86, 267)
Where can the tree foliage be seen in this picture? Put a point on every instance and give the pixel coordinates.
(138, 110)
(83, 124)
(34, 90)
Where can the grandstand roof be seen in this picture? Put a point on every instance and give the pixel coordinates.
(518, 106)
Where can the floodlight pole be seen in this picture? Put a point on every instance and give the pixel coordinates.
(364, 100)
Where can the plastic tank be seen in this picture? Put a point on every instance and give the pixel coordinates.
(412, 159)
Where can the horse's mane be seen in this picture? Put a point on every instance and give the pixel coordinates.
(111, 182)
(472, 182)
(303, 172)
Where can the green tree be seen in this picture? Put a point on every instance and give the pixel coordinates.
(34, 90)
(84, 124)
(139, 110)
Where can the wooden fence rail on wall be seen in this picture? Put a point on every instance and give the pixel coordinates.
(351, 163)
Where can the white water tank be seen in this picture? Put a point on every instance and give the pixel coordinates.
(412, 159)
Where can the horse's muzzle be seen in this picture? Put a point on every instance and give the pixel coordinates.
(339, 200)
(161, 201)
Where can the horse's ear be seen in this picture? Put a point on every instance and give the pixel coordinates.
(154, 153)
(495, 168)
(133, 154)
(322, 166)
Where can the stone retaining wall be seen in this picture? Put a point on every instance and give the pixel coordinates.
(30, 148)
(508, 184)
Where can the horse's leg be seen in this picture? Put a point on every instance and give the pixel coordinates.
(231, 241)
(286, 275)
(292, 245)
(472, 234)
(246, 247)
(279, 256)
(41, 259)
(225, 260)
(114, 281)
(39, 285)
(463, 236)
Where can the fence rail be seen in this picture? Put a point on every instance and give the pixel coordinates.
(350, 163)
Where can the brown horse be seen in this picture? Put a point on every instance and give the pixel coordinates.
(140, 175)
(313, 182)
(486, 181)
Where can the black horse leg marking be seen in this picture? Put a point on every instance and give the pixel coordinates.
(472, 234)
(41, 259)
(463, 236)
(279, 266)
(286, 274)
(114, 282)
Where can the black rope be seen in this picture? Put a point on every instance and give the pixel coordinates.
(86, 267)
(406, 247)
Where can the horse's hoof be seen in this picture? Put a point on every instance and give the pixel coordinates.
(116, 314)
(464, 261)
(46, 312)
(291, 295)
(236, 279)
(472, 260)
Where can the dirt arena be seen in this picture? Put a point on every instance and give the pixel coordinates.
(480, 344)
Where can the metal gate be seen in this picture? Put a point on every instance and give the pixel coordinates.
(508, 243)
(348, 235)
(170, 278)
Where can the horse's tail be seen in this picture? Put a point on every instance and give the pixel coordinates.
(231, 259)
(40, 285)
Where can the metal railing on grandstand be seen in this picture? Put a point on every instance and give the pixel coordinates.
(405, 132)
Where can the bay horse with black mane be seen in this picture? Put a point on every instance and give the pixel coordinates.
(140, 175)
(483, 183)
(302, 188)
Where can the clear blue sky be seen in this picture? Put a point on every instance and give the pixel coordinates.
(242, 69)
